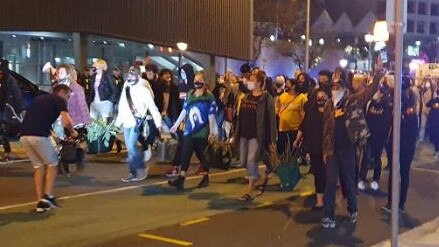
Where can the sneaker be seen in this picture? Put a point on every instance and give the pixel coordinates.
(353, 217)
(436, 155)
(177, 183)
(361, 185)
(387, 208)
(147, 155)
(130, 178)
(204, 182)
(42, 206)
(51, 201)
(200, 170)
(402, 210)
(328, 222)
(374, 185)
(173, 172)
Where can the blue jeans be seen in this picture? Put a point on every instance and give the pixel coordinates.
(135, 156)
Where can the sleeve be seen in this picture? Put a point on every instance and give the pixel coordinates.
(61, 104)
(213, 107)
(114, 91)
(431, 102)
(272, 119)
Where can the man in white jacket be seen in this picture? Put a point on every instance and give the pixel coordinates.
(129, 114)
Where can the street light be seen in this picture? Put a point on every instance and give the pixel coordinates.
(182, 46)
(369, 39)
(343, 63)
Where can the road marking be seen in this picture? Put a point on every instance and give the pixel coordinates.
(167, 240)
(307, 193)
(118, 189)
(192, 222)
(264, 204)
(426, 170)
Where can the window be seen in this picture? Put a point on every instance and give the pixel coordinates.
(434, 9)
(422, 8)
(433, 28)
(410, 26)
(420, 27)
(411, 7)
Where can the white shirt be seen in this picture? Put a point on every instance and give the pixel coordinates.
(97, 82)
(142, 101)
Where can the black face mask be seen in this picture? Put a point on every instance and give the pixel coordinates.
(93, 69)
(198, 84)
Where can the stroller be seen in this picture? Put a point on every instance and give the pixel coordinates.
(72, 150)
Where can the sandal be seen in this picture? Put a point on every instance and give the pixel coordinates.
(263, 186)
(246, 198)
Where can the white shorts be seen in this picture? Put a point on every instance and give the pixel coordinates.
(40, 150)
(102, 109)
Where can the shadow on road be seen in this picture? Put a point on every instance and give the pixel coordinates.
(8, 218)
(342, 235)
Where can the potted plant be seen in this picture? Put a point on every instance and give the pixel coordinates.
(101, 136)
(286, 167)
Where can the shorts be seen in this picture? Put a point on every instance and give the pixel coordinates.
(102, 109)
(40, 150)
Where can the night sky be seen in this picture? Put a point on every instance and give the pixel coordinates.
(356, 9)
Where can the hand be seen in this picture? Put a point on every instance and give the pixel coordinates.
(296, 143)
(212, 138)
(74, 133)
(325, 159)
(174, 129)
(272, 148)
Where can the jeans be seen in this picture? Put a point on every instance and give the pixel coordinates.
(343, 164)
(434, 138)
(376, 149)
(219, 121)
(248, 155)
(135, 156)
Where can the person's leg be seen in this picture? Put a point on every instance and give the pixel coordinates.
(39, 181)
(50, 177)
(199, 148)
(422, 126)
(319, 173)
(407, 154)
(348, 174)
(377, 151)
(186, 155)
(134, 156)
(281, 142)
(332, 172)
(252, 165)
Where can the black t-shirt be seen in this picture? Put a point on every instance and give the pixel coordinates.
(159, 87)
(43, 112)
(248, 116)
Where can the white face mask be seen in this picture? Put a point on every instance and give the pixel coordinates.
(427, 85)
(376, 96)
(251, 85)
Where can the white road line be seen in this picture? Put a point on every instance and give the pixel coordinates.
(118, 189)
(425, 170)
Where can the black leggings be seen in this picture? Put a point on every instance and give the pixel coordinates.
(319, 172)
(434, 138)
(189, 146)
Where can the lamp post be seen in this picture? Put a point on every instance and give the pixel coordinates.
(307, 38)
(369, 40)
(182, 46)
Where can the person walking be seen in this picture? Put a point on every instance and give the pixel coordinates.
(135, 101)
(198, 112)
(433, 122)
(44, 110)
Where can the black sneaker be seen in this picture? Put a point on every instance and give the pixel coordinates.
(204, 182)
(387, 208)
(328, 222)
(402, 210)
(51, 201)
(353, 217)
(177, 183)
(42, 206)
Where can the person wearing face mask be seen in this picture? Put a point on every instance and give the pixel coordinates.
(379, 119)
(304, 83)
(345, 128)
(291, 111)
(135, 101)
(311, 136)
(433, 123)
(198, 112)
(256, 133)
(102, 93)
(409, 132)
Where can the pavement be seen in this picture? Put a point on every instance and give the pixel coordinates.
(99, 210)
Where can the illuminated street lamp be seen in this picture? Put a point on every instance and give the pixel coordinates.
(343, 63)
(369, 39)
(182, 46)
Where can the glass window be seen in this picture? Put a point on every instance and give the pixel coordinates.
(420, 27)
(422, 8)
(433, 28)
(411, 7)
(410, 26)
(434, 9)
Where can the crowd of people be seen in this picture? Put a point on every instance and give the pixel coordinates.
(342, 121)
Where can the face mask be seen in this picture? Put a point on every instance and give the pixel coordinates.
(198, 84)
(279, 85)
(321, 102)
(133, 81)
(337, 95)
(427, 85)
(251, 86)
(93, 69)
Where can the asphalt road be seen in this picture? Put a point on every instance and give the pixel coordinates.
(98, 210)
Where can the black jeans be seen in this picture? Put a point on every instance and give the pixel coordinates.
(376, 149)
(189, 146)
(407, 153)
(285, 139)
(434, 138)
(319, 172)
(342, 163)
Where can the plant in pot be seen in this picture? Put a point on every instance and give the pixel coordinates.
(101, 136)
(286, 167)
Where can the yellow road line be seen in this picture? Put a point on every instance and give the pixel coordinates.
(166, 240)
(191, 222)
(264, 204)
(306, 193)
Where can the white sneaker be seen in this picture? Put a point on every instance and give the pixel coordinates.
(374, 185)
(361, 185)
(436, 155)
(147, 155)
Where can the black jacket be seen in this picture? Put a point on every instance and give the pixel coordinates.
(107, 89)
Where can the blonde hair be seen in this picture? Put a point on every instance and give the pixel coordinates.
(73, 73)
(102, 64)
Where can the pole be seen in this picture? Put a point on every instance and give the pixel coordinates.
(308, 26)
(180, 54)
(369, 65)
(399, 29)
